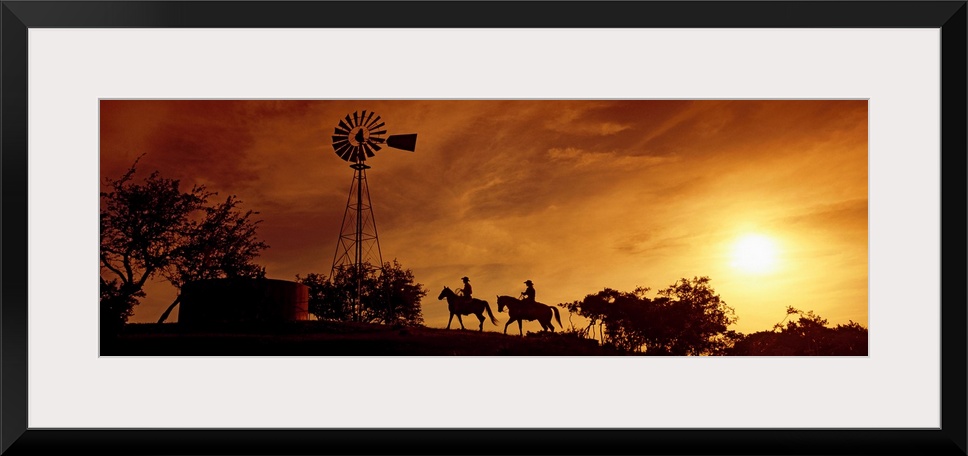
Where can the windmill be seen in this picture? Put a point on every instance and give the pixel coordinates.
(357, 137)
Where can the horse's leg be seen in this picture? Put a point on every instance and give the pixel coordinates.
(461, 321)
(506, 326)
(521, 327)
(480, 317)
(450, 320)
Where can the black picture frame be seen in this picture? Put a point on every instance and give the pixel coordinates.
(18, 16)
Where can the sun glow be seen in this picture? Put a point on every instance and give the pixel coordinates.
(755, 254)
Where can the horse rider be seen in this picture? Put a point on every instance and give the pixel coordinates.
(465, 291)
(528, 294)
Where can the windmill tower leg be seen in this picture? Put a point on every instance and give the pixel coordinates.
(358, 248)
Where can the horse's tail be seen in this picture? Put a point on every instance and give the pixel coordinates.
(487, 307)
(557, 316)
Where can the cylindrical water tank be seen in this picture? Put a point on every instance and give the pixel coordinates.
(243, 300)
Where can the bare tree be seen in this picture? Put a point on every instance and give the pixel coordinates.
(153, 227)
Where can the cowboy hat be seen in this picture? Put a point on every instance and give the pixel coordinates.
(528, 282)
(464, 278)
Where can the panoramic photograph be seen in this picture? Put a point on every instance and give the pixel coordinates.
(472, 227)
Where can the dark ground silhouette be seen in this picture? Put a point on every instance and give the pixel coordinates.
(325, 338)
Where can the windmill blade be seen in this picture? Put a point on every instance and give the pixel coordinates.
(337, 145)
(381, 132)
(356, 118)
(403, 142)
(379, 125)
(368, 118)
(344, 151)
(344, 126)
(366, 148)
(340, 131)
(376, 147)
(374, 120)
(358, 154)
(377, 139)
(349, 121)
(337, 139)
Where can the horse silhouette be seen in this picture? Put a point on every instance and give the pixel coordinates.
(519, 311)
(459, 305)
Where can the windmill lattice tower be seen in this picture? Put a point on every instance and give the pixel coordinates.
(356, 138)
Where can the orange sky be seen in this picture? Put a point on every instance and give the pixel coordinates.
(574, 195)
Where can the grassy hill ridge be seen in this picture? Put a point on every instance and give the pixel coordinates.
(325, 338)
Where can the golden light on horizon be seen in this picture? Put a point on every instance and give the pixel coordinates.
(755, 254)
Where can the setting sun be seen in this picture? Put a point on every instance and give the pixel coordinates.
(754, 253)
